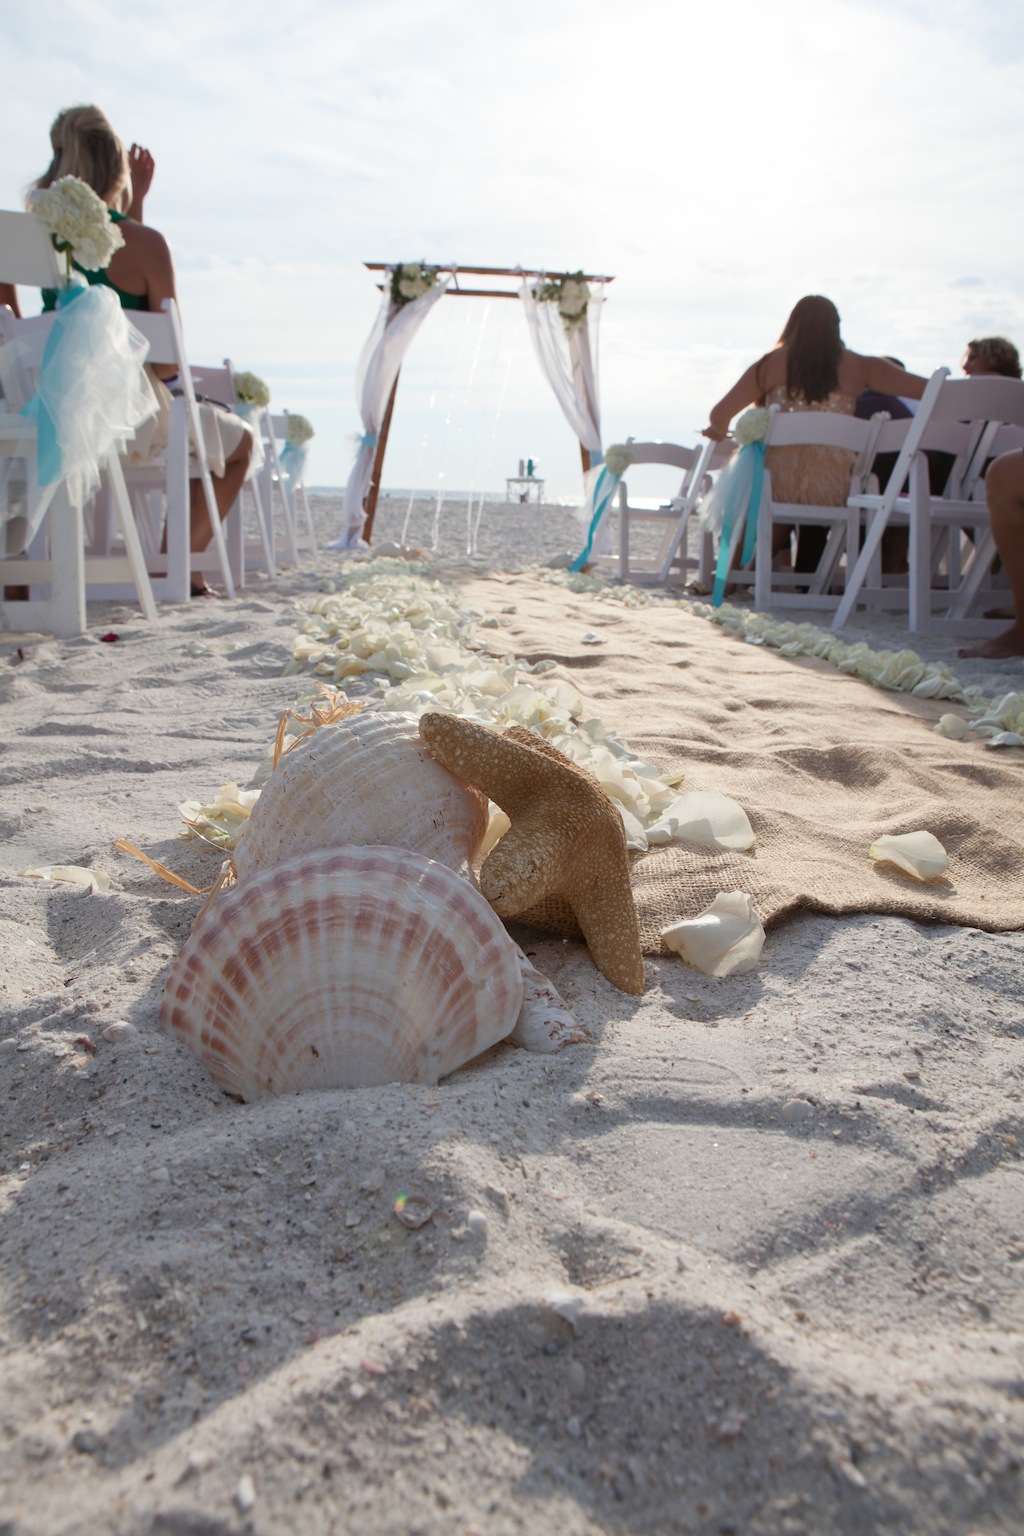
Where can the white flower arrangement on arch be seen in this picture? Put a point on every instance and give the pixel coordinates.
(411, 280)
(570, 292)
(79, 224)
(300, 430)
(251, 390)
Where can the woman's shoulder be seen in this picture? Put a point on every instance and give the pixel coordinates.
(142, 237)
(770, 369)
(853, 371)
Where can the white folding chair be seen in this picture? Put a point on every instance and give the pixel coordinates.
(977, 571)
(670, 519)
(952, 550)
(788, 588)
(958, 417)
(274, 478)
(168, 474)
(294, 486)
(218, 384)
(55, 568)
(290, 486)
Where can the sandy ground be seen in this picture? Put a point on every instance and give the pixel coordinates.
(751, 1260)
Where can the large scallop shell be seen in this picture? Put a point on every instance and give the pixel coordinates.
(365, 780)
(344, 968)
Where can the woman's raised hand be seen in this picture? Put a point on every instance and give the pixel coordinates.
(142, 166)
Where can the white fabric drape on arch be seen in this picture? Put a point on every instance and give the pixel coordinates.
(379, 362)
(573, 377)
(568, 361)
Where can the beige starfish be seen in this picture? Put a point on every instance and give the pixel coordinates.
(563, 861)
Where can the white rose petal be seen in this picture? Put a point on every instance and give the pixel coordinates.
(725, 939)
(705, 818)
(497, 825)
(636, 837)
(73, 874)
(917, 853)
(953, 726)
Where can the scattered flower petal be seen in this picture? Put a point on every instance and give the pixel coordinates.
(917, 853)
(73, 874)
(497, 826)
(703, 817)
(569, 1305)
(725, 939)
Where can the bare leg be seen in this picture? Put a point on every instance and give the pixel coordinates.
(225, 489)
(1004, 492)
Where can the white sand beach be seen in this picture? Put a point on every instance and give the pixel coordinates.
(750, 1259)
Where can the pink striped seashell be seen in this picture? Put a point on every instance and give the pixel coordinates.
(365, 780)
(345, 968)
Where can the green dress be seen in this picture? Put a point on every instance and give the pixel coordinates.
(126, 300)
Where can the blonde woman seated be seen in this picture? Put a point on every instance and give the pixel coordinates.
(141, 274)
(809, 369)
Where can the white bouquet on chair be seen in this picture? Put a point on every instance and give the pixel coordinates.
(79, 224)
(300, 430)
(752, 426)
(411, 280)
(251, 390)
(618, 458)
(570, 293)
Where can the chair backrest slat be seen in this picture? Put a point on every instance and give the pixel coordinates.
(988, 398)
(26, 252)
(818, 428)
(663, 453)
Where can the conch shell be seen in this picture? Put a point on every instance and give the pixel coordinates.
(366, 780)
(344, 968)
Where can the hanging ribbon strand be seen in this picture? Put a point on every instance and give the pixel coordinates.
(736, 498)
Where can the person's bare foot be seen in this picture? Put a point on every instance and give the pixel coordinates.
(1009, 643)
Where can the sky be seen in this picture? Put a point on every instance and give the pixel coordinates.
(719, 162)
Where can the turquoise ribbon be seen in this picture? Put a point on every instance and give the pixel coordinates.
(734, 510)
(293, 460)
(604, 490)
(51, 382)
(369, 440)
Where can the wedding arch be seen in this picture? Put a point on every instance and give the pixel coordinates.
(562, 312)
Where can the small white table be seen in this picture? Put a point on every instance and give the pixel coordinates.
(527, 488)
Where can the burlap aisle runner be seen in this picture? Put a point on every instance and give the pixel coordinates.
(822, 763)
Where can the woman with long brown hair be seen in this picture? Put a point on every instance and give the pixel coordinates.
(810, 369)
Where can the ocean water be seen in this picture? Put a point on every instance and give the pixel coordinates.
(424, 493)
(486, 498)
